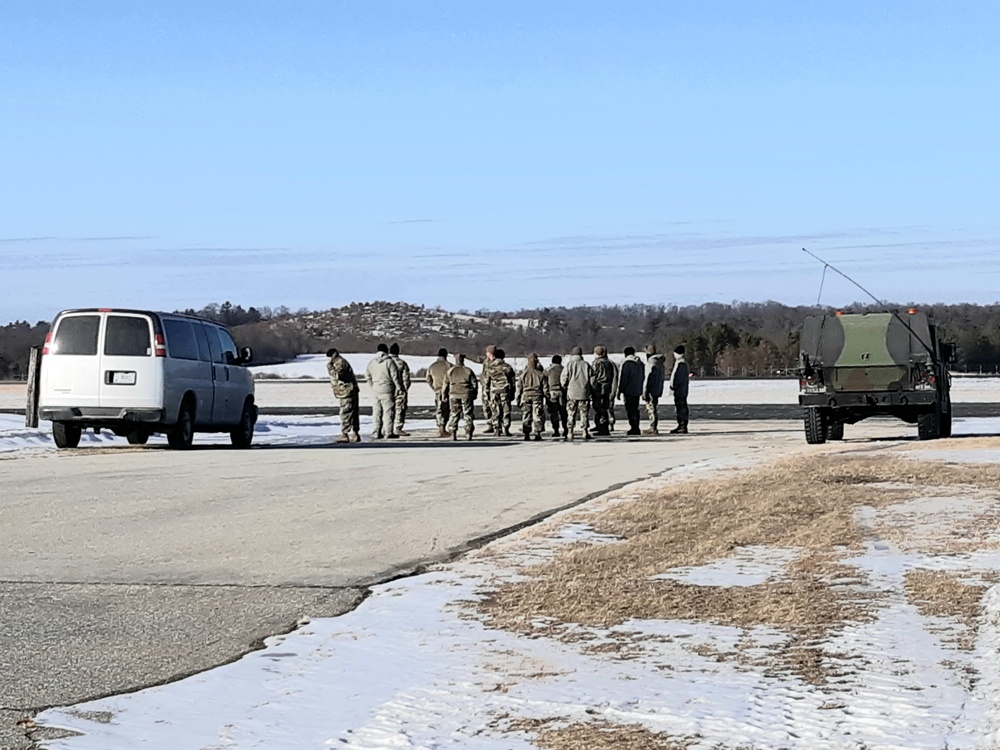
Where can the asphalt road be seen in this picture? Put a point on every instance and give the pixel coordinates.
(124, 568)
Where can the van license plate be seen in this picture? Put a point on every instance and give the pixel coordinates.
(123, 378)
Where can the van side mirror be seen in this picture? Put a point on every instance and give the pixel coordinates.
(246, 355)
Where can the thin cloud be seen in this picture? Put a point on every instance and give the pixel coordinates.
(74, 239)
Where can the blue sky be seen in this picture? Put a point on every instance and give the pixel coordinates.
(495, 155)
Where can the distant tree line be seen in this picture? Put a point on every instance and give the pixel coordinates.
(742, 338)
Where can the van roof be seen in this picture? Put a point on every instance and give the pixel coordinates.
(136, 312)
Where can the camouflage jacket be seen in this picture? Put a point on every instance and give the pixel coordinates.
(605, 376)
(501, 380)
(342, 377)
(404, 370)
(437, 373)
(532, 384)
(460, 382)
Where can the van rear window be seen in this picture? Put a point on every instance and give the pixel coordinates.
(181, 342)
(127, 337)
(76, 334)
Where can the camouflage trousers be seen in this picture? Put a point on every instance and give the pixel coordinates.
(501, 413)
(442, 411)
(533, 415)
(488, 410)
(402, 401)
(461, 408)
(651, 412)
(557, 413)
(350, 415)
(578, 408)
(383, 415)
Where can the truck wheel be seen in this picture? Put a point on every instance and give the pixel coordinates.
(945, 425)
(815, 427)
(139, 437)
(835, 431)
(66, 435)
(181, 435)
(929, 425)
(242, 435)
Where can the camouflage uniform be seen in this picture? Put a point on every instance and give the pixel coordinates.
(556, 399)
(345, 389)
(460, 389)
(386, 382)
(402, 396)
(655, 375)
(484, 377)
(605, 391)
(501, 384)
(436, 375)
(532, 394)
(578, 380)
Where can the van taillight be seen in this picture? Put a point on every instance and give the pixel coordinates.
(48, 340)
(161, 347)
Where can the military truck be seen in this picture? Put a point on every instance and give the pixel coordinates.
(852, 367)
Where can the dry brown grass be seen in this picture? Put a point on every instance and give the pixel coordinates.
(941, 593)
(808, 503)
(598, 735)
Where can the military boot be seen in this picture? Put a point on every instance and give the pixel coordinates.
(442, 432)
(355, 437)
(537, 436)
(489, 430)
(402, 433)
(343, 439)
(454, 435)
(650, 431)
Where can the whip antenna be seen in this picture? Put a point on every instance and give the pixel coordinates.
(885, 308)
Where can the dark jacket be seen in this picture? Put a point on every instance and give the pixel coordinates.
(655, 375)
(680, 377)
(633, 375)
(605, 377)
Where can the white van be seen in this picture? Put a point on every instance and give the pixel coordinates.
(136, 372)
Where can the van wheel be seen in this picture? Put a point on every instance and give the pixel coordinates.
(242, 435)
(139, 437)
(929, 425)
(66, 435)
(815, 427)
(181, 435)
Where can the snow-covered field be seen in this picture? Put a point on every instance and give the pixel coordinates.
(415, 667)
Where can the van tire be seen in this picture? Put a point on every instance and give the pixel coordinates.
(66, 435)
(181, 435)
(242, 435)
(139, 437)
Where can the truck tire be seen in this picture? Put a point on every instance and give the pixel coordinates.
(66, 435)
(945, 426)
(138, 437)
(242, 435)
(929, 425)
(181, 435)
(815, 427)
(835, 431)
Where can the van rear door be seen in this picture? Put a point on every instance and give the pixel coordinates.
(71, 365)
(131, 372)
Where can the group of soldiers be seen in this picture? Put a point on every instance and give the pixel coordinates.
(566, 392)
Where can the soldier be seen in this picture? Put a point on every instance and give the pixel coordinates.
(386, 382)
(484, 382)
(532, 394)
(437, 375)
(402, 396)
(655, 370)
(501, 383)
(557, 396)
(605, 390)
(630, 387)
(680, 378)
(460, 389)
(578, 382)
(345, 388)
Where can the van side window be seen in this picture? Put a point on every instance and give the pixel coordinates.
(127, 337)
(204, 351)
(229, 353)
(213, 343)
(181, 342)
(76, 334)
